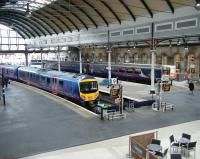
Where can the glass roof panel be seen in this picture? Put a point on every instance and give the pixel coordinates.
(22, 4)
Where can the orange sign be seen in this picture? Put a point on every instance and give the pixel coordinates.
(114, 92)
(192, 70)
(166, 87)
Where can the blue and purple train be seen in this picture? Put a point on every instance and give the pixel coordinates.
(140, 73)
(82, 89)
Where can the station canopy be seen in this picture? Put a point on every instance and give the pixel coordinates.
(35, 18)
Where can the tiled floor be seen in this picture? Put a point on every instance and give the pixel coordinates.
(34, 122)
(117, 148)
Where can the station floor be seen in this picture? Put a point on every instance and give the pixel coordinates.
(35, 122)
(140, 92)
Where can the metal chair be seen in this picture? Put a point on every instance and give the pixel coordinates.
(155, 141)
(162, 154)
(187, 136)
(173, 143)
(190, 147)
(176, 156)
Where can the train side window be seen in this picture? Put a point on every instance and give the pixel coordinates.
(137, 71)
(22, 74)
(48, 81)
(121, 70)
(33, 76)
(42, 78)
(37, 77)
(129, 71)
(60, 84)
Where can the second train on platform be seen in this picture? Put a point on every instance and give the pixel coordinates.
(140, 73)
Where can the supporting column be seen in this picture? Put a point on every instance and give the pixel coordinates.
(152, 89)
(109, 65)
(42, 64)
(80, 59)
(58, 55)
(26, 56)
(109, 58)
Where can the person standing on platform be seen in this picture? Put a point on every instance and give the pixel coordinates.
(191, 87)
(6, 81)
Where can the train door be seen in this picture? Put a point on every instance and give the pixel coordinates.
(69, 88)
(28, 78)
(65, 87)
(60, 86)
(54, 85)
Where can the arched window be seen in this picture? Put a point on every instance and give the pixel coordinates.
(164, 58)
(144, 58)
(135, 57)
(126, 58)
(100, 57)
(10, 39)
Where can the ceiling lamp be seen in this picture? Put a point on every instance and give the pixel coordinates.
(170, 43)
(186, 47)
(179, 42)
(197, 3)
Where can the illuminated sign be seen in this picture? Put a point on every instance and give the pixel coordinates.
(166, 87)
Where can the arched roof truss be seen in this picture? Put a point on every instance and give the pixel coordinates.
(61, 16)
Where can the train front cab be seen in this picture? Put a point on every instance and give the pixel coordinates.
(89, 93)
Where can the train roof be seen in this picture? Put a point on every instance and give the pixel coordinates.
(137, 65)
(67, 75)
(9, 66)
(52, 73)
(29, 69)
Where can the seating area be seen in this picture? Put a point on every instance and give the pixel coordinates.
(180, 147)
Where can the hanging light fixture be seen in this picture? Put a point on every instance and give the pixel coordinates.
(170, 43)
(197, 3)
(179, 42)
(186, 47)
(134, 45)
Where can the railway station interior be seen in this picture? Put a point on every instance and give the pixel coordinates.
(99, 79)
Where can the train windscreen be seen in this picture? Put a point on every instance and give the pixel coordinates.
(88, 87)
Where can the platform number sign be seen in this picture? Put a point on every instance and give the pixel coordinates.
(113, 81)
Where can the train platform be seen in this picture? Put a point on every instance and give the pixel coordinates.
(118, 148)
(140, 92)
(36, 122)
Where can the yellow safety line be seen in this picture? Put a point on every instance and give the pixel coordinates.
(76, 108)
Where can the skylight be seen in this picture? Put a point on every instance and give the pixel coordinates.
(22, 4)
